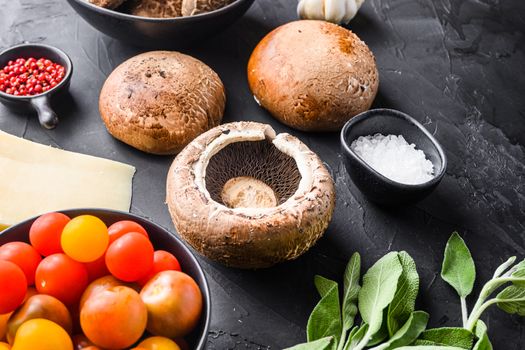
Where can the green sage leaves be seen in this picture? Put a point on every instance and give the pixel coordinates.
(403, 304)
(351, 291)
(384, 304)
(379, 288)
(512, 300)
(325, 320)
(458, 268)
(483, 342)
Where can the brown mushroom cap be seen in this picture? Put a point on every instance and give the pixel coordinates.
(249, 237)
(313, 75)
(161, 100)
(193, 7)
(155, 8)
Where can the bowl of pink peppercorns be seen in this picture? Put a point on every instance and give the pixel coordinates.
(30, 75)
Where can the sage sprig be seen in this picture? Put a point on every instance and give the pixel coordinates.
(384, 303)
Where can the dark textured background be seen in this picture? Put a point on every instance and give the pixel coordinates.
(455, 65)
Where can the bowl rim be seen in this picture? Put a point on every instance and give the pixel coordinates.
(202, 340)
(61, 53)
(362, 117)
(127, 16)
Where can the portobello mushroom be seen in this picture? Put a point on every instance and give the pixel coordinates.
(313, 75)
(246, 197)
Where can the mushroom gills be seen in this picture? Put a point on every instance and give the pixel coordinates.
(247, 192)
(252, 174)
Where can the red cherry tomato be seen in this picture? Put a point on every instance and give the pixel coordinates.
(130, 257)
(23, 255)
(45, 233)
(162, 261)
(62, 277)
(13, 286)
(97, 268)
(120, 228)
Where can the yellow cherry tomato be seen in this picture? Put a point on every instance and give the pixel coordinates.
(85, 238)
(41, 334)
(5, 346)
(158, 343)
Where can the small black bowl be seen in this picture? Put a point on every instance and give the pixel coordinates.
(161, 239)
(159, 32)
(375, 186)
(40, 103)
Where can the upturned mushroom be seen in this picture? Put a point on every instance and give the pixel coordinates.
(194, 7)
(246, 197)
(313, 75)
(159, 101)
(155, 8)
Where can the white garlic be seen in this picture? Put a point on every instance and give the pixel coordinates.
(335, 11)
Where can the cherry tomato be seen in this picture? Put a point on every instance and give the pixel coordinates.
(85, 238)
(45, 233)
(62, 277)
(23, 255)
(162, 261)
(99, 285)
(130, 257)
(174, 303)
(97, 268)
(13, 286)
(158, 343)
(114, 318)
(120, 228)
(41, 334)
(39, 306)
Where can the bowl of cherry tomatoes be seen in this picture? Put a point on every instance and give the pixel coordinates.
(99, 279)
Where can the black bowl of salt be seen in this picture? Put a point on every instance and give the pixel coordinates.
(391, 157)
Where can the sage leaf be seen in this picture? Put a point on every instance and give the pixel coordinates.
(382, 333)
(428, 347)
(512, 300)
(324, 285)
(521, 275)
(520, 265)
(503, 267)
(483, 342)
(447, 336)
(409, 332)
(355, 336)
(379, 287)
(351, 291)
(320, 344)
(458, 268)
(404, 300)
(325, 319)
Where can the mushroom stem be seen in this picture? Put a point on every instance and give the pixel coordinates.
(248, 192)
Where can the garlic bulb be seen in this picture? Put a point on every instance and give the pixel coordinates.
(335, 11)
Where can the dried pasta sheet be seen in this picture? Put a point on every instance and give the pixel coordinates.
(35, 179)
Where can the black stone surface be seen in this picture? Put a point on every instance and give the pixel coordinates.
(455, 65)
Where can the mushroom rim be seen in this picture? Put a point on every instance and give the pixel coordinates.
(284, 142)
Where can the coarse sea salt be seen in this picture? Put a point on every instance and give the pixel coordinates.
(394, 158)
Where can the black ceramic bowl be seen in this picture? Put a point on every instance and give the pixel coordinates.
(40, 103)
(375, 186)
(160, 32)
(161, 239)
